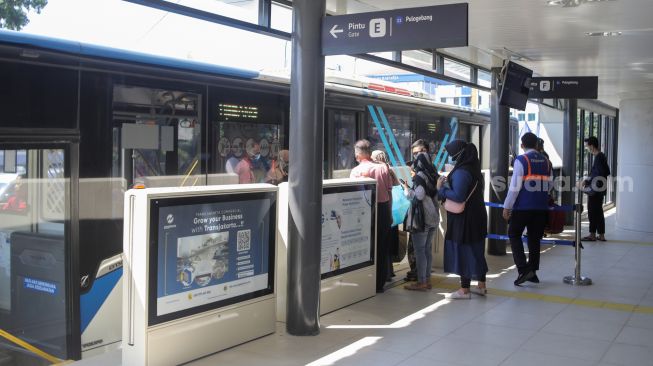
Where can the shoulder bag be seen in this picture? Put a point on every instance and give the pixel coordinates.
(458, 207)
(414, 220)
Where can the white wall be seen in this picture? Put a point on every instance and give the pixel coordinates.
(635, 161)
(551, 131)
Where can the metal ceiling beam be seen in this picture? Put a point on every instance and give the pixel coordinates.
(211, 17)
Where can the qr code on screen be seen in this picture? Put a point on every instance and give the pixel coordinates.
(243, 240)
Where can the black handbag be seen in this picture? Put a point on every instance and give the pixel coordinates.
(587, 189)
(414, 220)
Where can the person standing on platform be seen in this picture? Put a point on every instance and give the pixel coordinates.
(422, 193)
(595, 186)
(379, 157)
(540, 149)
(526, 206)
(464, 247)
(369, 169)
(417, 147)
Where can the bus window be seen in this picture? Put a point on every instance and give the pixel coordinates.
(343, 128)
(157, 136)
(400, 131)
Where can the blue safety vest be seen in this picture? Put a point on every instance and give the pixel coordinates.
(534, 193)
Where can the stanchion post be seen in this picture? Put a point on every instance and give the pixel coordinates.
(577, 279)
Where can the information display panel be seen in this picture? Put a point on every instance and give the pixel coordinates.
(209, 252)
(348, 228)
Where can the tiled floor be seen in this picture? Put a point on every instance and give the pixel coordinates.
(551, 323)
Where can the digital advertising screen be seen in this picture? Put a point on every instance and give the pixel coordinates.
(347, 229)
(210, 251)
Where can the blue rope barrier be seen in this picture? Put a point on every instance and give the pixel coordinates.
(525, 239)
(566, 208)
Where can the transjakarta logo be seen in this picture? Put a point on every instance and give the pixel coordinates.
(170, 219)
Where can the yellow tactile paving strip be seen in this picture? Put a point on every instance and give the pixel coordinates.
(447, 284)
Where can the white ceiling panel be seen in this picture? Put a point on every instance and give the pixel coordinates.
(553, 39)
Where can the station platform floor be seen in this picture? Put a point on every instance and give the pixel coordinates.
(550, 323)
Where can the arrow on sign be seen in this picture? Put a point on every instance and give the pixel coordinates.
(333, 31)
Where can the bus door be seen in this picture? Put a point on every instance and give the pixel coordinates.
(38, 293)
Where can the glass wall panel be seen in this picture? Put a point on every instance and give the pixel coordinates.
(281, 17)
(421, 59)
(457, 70)
(385, 55)
(245, 10)
(484, 79)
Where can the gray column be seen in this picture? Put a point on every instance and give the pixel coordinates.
(305, 178)
(635, 157)
(569, 137)
(499, 130)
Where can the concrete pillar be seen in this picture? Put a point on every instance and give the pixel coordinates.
(635, 163)
(499, 130)
(305, 178)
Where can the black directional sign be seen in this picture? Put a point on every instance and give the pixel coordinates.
(564, 87)
(395, 30)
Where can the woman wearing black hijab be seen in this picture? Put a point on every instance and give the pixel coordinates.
(464, 250)
(424, 189)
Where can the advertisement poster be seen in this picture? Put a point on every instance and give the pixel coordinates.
(346, 229)
(211, 252)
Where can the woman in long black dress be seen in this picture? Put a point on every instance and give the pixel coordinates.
(464, 250)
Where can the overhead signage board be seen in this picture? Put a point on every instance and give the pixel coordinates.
(564, 87)
(439, 26)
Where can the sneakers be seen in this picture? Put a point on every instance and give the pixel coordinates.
(459, 295)
(523, 277)
(479, 291)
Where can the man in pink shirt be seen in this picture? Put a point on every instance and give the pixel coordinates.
(245, 168)
(369, 169)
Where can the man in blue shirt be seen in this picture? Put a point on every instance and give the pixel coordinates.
(526, 206)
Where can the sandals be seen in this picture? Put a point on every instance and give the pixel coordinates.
(588, 238)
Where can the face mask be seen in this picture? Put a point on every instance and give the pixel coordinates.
(455, 157)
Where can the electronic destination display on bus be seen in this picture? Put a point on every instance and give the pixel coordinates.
(210, 251)
(347, 228)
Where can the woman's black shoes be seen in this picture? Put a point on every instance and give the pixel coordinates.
(523, 277)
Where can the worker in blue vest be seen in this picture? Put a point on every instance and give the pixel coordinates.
(526, 206)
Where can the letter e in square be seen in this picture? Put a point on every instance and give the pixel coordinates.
(377, 27)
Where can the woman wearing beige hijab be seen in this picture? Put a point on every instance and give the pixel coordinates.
(279, 171)
(379, 157)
